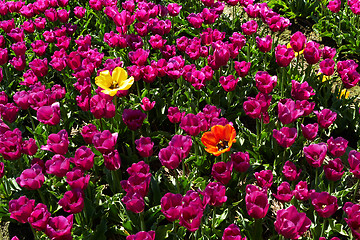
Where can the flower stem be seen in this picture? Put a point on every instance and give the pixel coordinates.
(356, 190)
(323, 227)
(142, 222)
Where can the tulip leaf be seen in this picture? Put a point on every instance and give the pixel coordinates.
(220, 218)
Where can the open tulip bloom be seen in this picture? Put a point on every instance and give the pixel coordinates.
(219, 139)
(112, 83)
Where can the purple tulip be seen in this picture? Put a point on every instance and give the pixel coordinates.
(290, 223)
(72, 201)
(264, 82)
(324, 204)
(264, 178)
(221, 172)
(310, 131)
(171, 206)
(315, 154)
(241, 161)
(301, 91)
(57, 165)
(353, 218)
(21, 208)
(133, 118)
(312, 53)
(256, 201)
(298, 41)
(214, 194)
(144, 145)
(284, 55)
(32, 178)
(285, 137)
(301, 191)
(354, 162)
(142, 236)
(325, 117)
(232, 232)
(333, 170)
(290, 172)
(84, 158)
(59, 227)
(337, 147)
(284, 193)
(49, 114)
(105, 141)
(39, 217)
(264, 44)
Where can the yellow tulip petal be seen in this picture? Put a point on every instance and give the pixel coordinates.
(125, 85)
(119, 75)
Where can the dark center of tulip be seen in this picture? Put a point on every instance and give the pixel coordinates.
(222, 145)
(114, 85)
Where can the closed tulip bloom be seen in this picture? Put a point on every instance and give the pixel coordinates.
(49, 114)
(287, 111)
(310, 131)
(298, 41)
(134, 202)
(147, 105)
(59, 227)
(337, 147)
(305, 106)
(9, 112)
(264, 44)
(133, 118)
(32, 178)
(327, 67)
(221, 172)
(324, 204)
(105, 141)
(249, 27)
(284, 55)
(170, 157)
(301, 191)
(252, 108)
(57, 143)
(171, 206)
(354, 162)
(184, 143)
(21, 208)
(329, 52)
(142, 236)
(257, 203)
(285, 137)
(39, 217)
(301, 91)
(325, 117)
(232, 232)
(112, 160)
(214, 194)
(57, 165)
(174, 114)
(190, 123)
(241, 161)
(264, 82)
(72, 201)
(84, 158)
(229, 83)
(284, 193)
(144, 145)
(76, 179)
(333, 170)
(290, 172)
(312, 53)
(353, 217)
(242, 68)
(315, 154)
(264, 178)
(88, 132)
(334, 6)
(290, 223)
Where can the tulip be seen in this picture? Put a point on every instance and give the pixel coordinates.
(264, 82)
(301, 191)
(75, 178)
(242, 68)
(134, 202)
(290, 171)
(327, 67)
(59, 227)
(49, 114)
(112, 160)
(264, 178)
(142, 236)
(264, 44)
(105, 141)
(287, 111)
(310, 131)
(57, 143)
(57, 165)
(301, 91)
(324, 204)
(171, 206)
(284, 193)
(133, 118)
(312, 53)
(221, 172)
(170, 157)
(214, 194)
(21, 208)
(298, 41)
(249, 27)
(72, 201)
(352, 212)
(315, 154)
(285, 137)
(284, 55)
(337, 146)
(190, 123)
(228, 83)
(184, 143)
(39, 217)
(232, 232)
(325, 117)
(241, 161)
(290, 223)
(190, 217)
(333, 170)
(354, 162)
(32, 178)
(84, 158)
(257, 203)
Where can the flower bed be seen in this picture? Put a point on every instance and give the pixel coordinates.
(143, 120)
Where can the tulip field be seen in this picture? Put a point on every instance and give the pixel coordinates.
(194, 120)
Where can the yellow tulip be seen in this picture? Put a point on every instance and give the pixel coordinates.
(112, 83)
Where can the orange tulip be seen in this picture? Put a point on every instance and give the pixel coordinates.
(219, 139)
